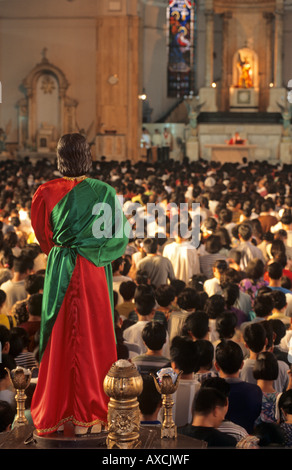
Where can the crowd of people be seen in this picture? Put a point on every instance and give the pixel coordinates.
(204, 290)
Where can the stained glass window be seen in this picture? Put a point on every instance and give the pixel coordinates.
(181, 22)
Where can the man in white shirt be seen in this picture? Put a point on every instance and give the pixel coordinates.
(145, 308)
(183, 256)
(212, 286)
(157, 143)
(247, 249)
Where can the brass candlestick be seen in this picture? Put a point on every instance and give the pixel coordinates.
(166, 386)
(20, 379)
(123, 384)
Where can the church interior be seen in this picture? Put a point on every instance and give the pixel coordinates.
(213, 76)
(205, 69)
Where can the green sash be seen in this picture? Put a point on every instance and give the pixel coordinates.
(81, 225)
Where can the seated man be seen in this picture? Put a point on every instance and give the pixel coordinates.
(183, 355)
(188, 301)
(145, 309)
(154, 335)
(245, 399)
(209, 411)
(150, 402)
(159, 268)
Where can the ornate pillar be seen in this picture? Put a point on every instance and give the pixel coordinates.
(226, 65)
(209, 16)
(278, 51)
(268, 81)
(269, 17)
(208, 95)
(278, 92)
(118, 82)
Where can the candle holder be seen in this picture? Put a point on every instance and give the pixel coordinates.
(123, 384)
(166, 386)
(20, 379)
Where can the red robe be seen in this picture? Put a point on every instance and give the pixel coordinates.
(81, 347)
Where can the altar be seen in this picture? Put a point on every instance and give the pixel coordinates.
(231, 153)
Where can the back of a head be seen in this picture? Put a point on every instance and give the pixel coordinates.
(144, 299)
(263, 305)
(22, 264)
(33, 283)
(285, 402)
(165, 295)
(279, 299)
(266, 366)
(221, 265)
(19, 339)
(197, 282)
(255, 269)
(154, 335)
(150, 245)
(277, 248)
(188, 299)
(207, 399)
(254, 335)
(73, 155)
(213, 244)
(183, 354)
(7, 415)
(269, 434)
(150, 398)
(231, 275)
(279, 330)
(229, 356)
(245, 231)
(275, 271)
(286, 218)
(230, 294)
(217, 382)
(196, 325)
(210, 224)
(226, 324)
(214, 306)
(204, 351)
(265, 206)
(34, 305)
(127, 290)
(225, 216)
(178, 286)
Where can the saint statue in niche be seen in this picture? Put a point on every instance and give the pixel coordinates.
(245, 73)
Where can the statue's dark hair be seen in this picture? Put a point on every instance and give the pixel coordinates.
(74, 156)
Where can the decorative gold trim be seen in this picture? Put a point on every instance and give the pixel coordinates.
(75, 178)
(74, 421)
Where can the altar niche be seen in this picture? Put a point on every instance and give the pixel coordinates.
(46, 112)
(244, 93)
